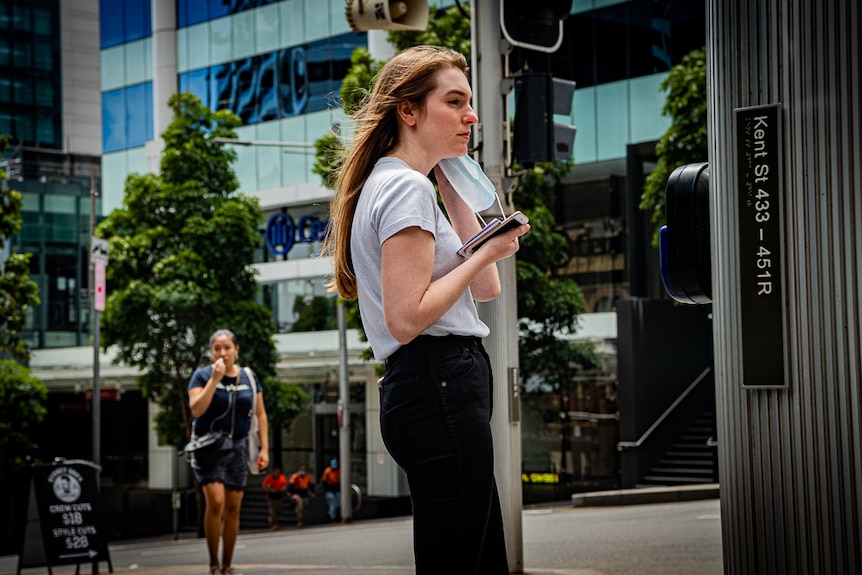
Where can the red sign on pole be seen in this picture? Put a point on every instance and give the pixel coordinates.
(99, 299)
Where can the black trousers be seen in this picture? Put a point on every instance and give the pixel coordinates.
(435, 412)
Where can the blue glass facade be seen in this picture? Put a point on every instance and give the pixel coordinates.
(279, 84)
(56, 230)
(191, 12)
(127, 117)
(127, 112)
(123, 21)
(30, 79)
(629, 40)
(276, 84)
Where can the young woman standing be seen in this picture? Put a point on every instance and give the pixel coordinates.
(396, 251)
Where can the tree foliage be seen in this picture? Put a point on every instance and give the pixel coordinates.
(22, 409)
(22, 396)
(18, 293)
(181, 249)
(685, 141)
(449, 27)
(548, 304)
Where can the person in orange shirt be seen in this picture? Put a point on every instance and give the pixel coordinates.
(301, 486)
(331, 481)
(275, 486)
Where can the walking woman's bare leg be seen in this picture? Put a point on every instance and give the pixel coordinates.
(215, 499)
(233, 502)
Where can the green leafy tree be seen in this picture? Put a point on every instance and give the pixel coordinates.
(181, 249)
(316, 313)
(685, 141)
(18, 293)
(449, 28)
(549, 304)
(21, 396)
(22, 409)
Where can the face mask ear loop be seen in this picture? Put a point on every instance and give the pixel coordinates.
(502, 212)
(499, 203)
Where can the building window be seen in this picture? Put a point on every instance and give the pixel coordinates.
(127, 117)
(280, 84)
(31, 86)
(299, 305)
(55, 229)
(190, 12)
(123, 21)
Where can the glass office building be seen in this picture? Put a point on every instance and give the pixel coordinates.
(47, 105)
(278, 64)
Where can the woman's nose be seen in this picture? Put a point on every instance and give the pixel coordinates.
(471, 117)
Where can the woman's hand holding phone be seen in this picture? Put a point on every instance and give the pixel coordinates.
(492, 230)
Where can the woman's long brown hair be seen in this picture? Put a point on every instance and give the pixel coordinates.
(409, 76)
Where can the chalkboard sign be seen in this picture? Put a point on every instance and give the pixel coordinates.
(65, 513)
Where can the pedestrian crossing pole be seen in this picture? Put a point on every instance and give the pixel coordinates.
(501, 315)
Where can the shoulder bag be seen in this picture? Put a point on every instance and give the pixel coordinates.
(254, 427)
(210, 449)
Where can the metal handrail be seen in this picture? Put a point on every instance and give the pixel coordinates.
(358, 493)
(622, 445)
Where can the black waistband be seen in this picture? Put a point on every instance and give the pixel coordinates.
(426, 340)
(423, 342)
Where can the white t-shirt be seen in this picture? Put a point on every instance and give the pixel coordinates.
(396, 197)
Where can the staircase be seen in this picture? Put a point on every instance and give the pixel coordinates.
(254, 513)
(690, 460)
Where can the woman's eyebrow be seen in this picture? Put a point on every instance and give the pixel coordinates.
(457, 92)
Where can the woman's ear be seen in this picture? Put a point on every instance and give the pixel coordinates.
(405, 113)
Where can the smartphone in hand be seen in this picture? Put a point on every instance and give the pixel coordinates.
(494, 228)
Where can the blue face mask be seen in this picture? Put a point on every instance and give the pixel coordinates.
(471, 183)
(303, 473)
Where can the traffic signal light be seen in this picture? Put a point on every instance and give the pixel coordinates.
(684, 243)
(537, 139)
(365, 15)
(537, 25)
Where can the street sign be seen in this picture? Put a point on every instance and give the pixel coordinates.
(761, 196)
(98, 249)
(99, 290)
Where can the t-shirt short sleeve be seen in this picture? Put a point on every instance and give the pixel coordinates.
(407, 200)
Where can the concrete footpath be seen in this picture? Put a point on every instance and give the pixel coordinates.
(644, 495)
(650, 531)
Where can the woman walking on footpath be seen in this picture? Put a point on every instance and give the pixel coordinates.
(396, 251)
(214, 391)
